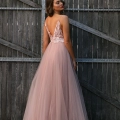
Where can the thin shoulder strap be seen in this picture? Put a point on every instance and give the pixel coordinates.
(47, 28)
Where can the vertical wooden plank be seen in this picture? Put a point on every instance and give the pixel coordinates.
(66, 6)
(13, 90)
(10, 3)
(98, 54)
(14, 3)
(19, 29)
(99, 108)
(4, 92)
(74, 40)
(90, 44)
(117, 5)
(71, 3)
(94, 107)
(117, 114)
(20, 26)
(24, 88)
(5, 31)
(104, 66)
(30, 16)
(1, 27)
(101, 67)
(105, 54)
(87, 98)
(83, 48)
(0, 91)
(20, 88)
(80, 42)
(36, 45)
(4, 53)
(4, 3)
(34, 32)
(10, 28)
(103, 117)
(39, 30)
(15, 29)
(9, 94)
(1, 23)
(94, 46)
(74, 29)
(108, 116)
(113, 31)
(42, 22)
(96, 67)
(17, 93)
(25, 38)
(89, 104)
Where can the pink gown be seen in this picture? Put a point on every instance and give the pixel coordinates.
(55, 92)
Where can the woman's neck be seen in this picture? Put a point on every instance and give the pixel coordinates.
(57, 13)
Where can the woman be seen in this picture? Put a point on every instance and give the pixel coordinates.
(55, 93)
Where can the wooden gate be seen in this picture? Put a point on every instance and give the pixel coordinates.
(21, 24)
(95, 33)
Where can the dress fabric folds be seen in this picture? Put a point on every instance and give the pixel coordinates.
(55, 92)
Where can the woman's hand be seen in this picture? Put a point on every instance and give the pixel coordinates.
(74, 64)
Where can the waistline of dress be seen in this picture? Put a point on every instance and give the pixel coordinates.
(57, 40)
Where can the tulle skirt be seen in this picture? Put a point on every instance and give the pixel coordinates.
(55, 92)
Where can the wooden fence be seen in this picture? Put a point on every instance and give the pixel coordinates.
(21, 24)
(95, 29)
(95, 33)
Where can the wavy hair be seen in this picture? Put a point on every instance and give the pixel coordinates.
(49, 7)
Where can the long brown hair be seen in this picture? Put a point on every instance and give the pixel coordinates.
(49, 7)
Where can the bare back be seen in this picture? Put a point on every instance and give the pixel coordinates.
(51, 23)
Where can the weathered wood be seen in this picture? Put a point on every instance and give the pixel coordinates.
(1, 28)
(30, 3)
(19, 9)
(95, 32)
(92, 10)
(110, 100)
(79, 60)
(4, 92)
(5, 31)
(17, 59)
(18, 48)
(0, 92)
(13, 43)
(1, 23)
(0, 65)
(10, 32)
(8, 85)
(42, 23)
(66, 10)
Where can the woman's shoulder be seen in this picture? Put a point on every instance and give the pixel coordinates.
(64, 18)
(46, 18)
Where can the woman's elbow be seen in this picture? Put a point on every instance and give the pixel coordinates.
(66, 42)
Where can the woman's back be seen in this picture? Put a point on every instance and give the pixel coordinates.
(52, 21)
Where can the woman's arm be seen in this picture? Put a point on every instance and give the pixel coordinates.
(67, 40)
(66, 34)
(46, 39)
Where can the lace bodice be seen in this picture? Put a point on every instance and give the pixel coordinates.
(58, 35)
